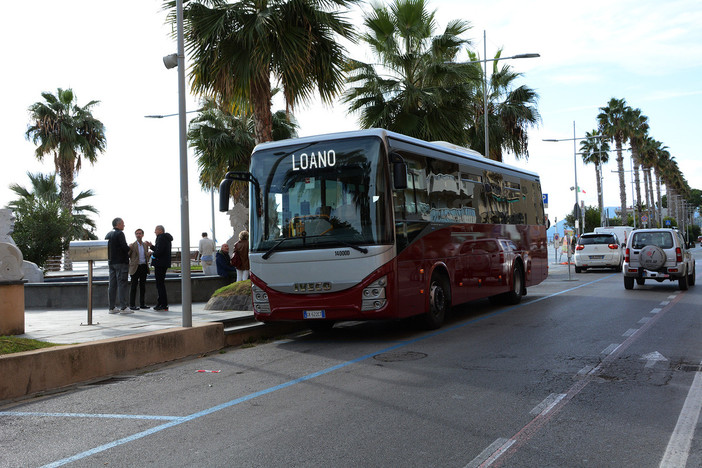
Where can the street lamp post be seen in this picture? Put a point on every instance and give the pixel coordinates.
(171, 61)
(485, 99)
(575, 172)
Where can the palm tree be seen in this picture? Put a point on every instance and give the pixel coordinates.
(238, 48)
(45, 188)
(224, 142)
(415, 89)
(636, 132)
(612, 124)
(595, 151)
(511, 111)
(69, 132)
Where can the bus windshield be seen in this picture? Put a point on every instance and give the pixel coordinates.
(321, 194)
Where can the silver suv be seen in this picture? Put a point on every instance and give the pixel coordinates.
(658, 254)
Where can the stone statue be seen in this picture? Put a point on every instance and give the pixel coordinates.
(12, 265)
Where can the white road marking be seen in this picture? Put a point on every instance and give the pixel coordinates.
(630, 332)
(644, 320)
(610, 349)
(548, 404)
(680, 441)
(488, 456)
(656, 310)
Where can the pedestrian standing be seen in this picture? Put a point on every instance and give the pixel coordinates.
(241, 249)
(138, 269)
(206, 249)
(161, 261)
(118, 265)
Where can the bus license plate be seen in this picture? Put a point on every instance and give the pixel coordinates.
(313, 314)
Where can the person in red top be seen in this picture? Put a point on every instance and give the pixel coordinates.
(241, 249)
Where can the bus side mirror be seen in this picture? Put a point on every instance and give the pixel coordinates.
(226, 185)
(224, 188)
(399, 171)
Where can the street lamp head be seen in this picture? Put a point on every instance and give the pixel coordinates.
(170, 61)
(521, 56)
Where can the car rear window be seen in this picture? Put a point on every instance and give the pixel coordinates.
(664, 240)
(599, 239)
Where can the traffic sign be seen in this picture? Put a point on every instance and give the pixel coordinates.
(545, 199)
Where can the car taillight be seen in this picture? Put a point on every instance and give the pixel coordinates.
(626, 255)
(678, 254)
(613, 246)
(579, 247)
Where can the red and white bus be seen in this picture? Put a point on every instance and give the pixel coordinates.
(372, 224)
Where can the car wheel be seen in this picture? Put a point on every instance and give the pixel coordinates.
(578, 269)
(628, 282)
(691, 278)
(682, 283)
(618, 268)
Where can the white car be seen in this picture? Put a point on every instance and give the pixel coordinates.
(598, 250)
(658, 254)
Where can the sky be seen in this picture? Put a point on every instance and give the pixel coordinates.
(644, 51)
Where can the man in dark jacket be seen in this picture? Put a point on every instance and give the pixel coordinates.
(161, 261)
(118, 262)
(224, 267)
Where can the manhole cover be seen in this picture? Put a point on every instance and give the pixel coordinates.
(399, 356)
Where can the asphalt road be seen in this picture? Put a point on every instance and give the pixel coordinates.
(582, 373)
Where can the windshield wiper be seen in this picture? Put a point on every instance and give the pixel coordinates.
(275, 246)
(270, 251)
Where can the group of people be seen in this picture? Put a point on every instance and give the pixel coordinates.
(236, 264)
(135, 259)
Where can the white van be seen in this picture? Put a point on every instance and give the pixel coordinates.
(622, 232)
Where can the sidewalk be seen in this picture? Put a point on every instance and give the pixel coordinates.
(70, 326)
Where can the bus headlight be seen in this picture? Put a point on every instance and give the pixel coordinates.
(260, 300)
(373, 296)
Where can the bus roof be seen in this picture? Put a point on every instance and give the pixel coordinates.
(441, 146)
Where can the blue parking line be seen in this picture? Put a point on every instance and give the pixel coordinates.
(180, 420)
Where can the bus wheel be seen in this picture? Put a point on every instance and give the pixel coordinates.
(514, 296)
(439, 301)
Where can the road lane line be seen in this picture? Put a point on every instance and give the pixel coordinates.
(656, 310)
(644, 320)
(630, 332)
(86, 415)
(548, 404)
(610, 349)
(490, 454)
(680, 441)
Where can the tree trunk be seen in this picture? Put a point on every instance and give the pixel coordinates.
(637, 185)
(622, 183)
(659, 200)
(66, 176)
(600, 201)
(263, 118)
